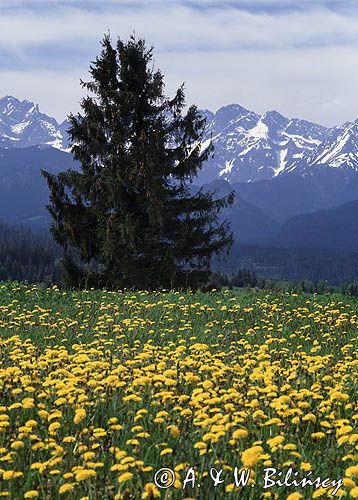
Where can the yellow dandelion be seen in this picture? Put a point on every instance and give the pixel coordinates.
(31, 494)
(126, 476)
(84, 474)
(80, 415)
(66, 488)
(294, 496)
(354, 492)
(166, 451)
(240, 433)
(352, 471)
(251, 456)
(17, 445)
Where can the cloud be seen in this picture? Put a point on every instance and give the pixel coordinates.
(293, 56)
(180, 26)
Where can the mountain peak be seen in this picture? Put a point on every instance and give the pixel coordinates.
(232, 107)
(7, 104)
(9, 98)
(275, 116)
(230, 112)
(274, 121)
(23, 125)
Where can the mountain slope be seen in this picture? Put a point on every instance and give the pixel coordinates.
(293, 194)
(326, 229)
(248, 223)
(323, 178)
(23, 125)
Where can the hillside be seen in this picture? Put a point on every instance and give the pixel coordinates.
(335, 229)
(23, 191)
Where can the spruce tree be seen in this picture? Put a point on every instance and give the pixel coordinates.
(129, 216)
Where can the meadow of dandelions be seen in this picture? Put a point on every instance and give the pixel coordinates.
(98, 390)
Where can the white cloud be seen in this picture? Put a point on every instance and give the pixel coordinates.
(181, 27)
(301, 62)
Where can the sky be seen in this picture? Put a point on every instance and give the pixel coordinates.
(297, 57)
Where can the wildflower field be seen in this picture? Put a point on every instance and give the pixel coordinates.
(99, 390)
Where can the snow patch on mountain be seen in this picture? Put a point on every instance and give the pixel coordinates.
(19, 127)
(227, 169)
(260, 131)
(282, 162)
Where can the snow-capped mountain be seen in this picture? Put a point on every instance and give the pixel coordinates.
(323, 178)
(251, 147)
(339, 151)
(23, 125)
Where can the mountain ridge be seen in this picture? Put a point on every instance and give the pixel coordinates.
(249, 147)
(279, 167)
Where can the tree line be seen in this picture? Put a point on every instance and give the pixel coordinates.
(292, 264)
(28, 256)
(246, 278)
(33, 256)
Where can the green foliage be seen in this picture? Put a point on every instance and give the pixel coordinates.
(128, 217)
